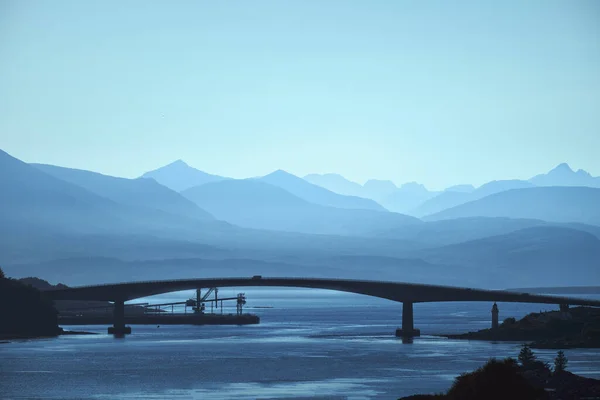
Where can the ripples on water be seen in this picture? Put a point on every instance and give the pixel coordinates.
(312, 344)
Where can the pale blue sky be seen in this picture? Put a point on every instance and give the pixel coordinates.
(440, 92)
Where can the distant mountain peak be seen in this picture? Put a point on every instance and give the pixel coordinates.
(583, 172)
(413, 185)
(462, 188)
(562, 167)
(281, 173)
(564, 175)
(381, 184)
(177, 163)
(179, 176)
(565, 169)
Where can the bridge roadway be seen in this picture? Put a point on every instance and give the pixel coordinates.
(406, 293)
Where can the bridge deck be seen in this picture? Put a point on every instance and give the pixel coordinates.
(395, 291)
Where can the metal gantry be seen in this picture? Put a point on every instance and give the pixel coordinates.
(198, 304)
(241, 300)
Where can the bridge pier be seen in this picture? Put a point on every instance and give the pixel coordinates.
(119, 328)
(408, 329)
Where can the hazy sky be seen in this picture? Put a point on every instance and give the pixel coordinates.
(441, 92)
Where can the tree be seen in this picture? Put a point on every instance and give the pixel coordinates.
(526, 356)
(2, 276)
(560, 362)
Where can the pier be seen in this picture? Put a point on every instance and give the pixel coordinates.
(163, 319)
(162, 313)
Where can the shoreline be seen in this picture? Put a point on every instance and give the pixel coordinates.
(575, 328)
(9, 338)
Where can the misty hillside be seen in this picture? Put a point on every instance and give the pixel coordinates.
(76, 271)
(32, 198)
(442, 201)
(501, 186)
(179, 176)
(450, 231)
(94, 270)
(407, 197)
(317, 194)
(556, 204)
(379, 189)
(399, 199)
(36, 204)
(534, 256)
(337, 184)
(453, 198)
(253, 203)
(143, 192)
(538, 255)
(464, 188)
(374, 189)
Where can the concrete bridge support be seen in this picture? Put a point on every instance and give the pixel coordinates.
(119, 328)
(408, 329)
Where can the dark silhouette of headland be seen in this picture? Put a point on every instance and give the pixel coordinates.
(577, 327)
(25, 312)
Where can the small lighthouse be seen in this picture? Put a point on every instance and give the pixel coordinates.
(495, 316)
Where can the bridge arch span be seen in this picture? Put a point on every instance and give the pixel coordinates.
(406, 293)
(395, 291)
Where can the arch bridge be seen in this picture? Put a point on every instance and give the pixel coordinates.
(405, 293)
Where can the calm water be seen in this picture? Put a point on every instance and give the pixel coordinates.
(312, 344)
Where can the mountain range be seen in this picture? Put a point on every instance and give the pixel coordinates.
(563, 175)
(552, 203)
(453, 198)
(79, 227)
(179, 176)
(399, 199)
(256, 203)
(141, 192)
(414, 199)
(316, 194)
